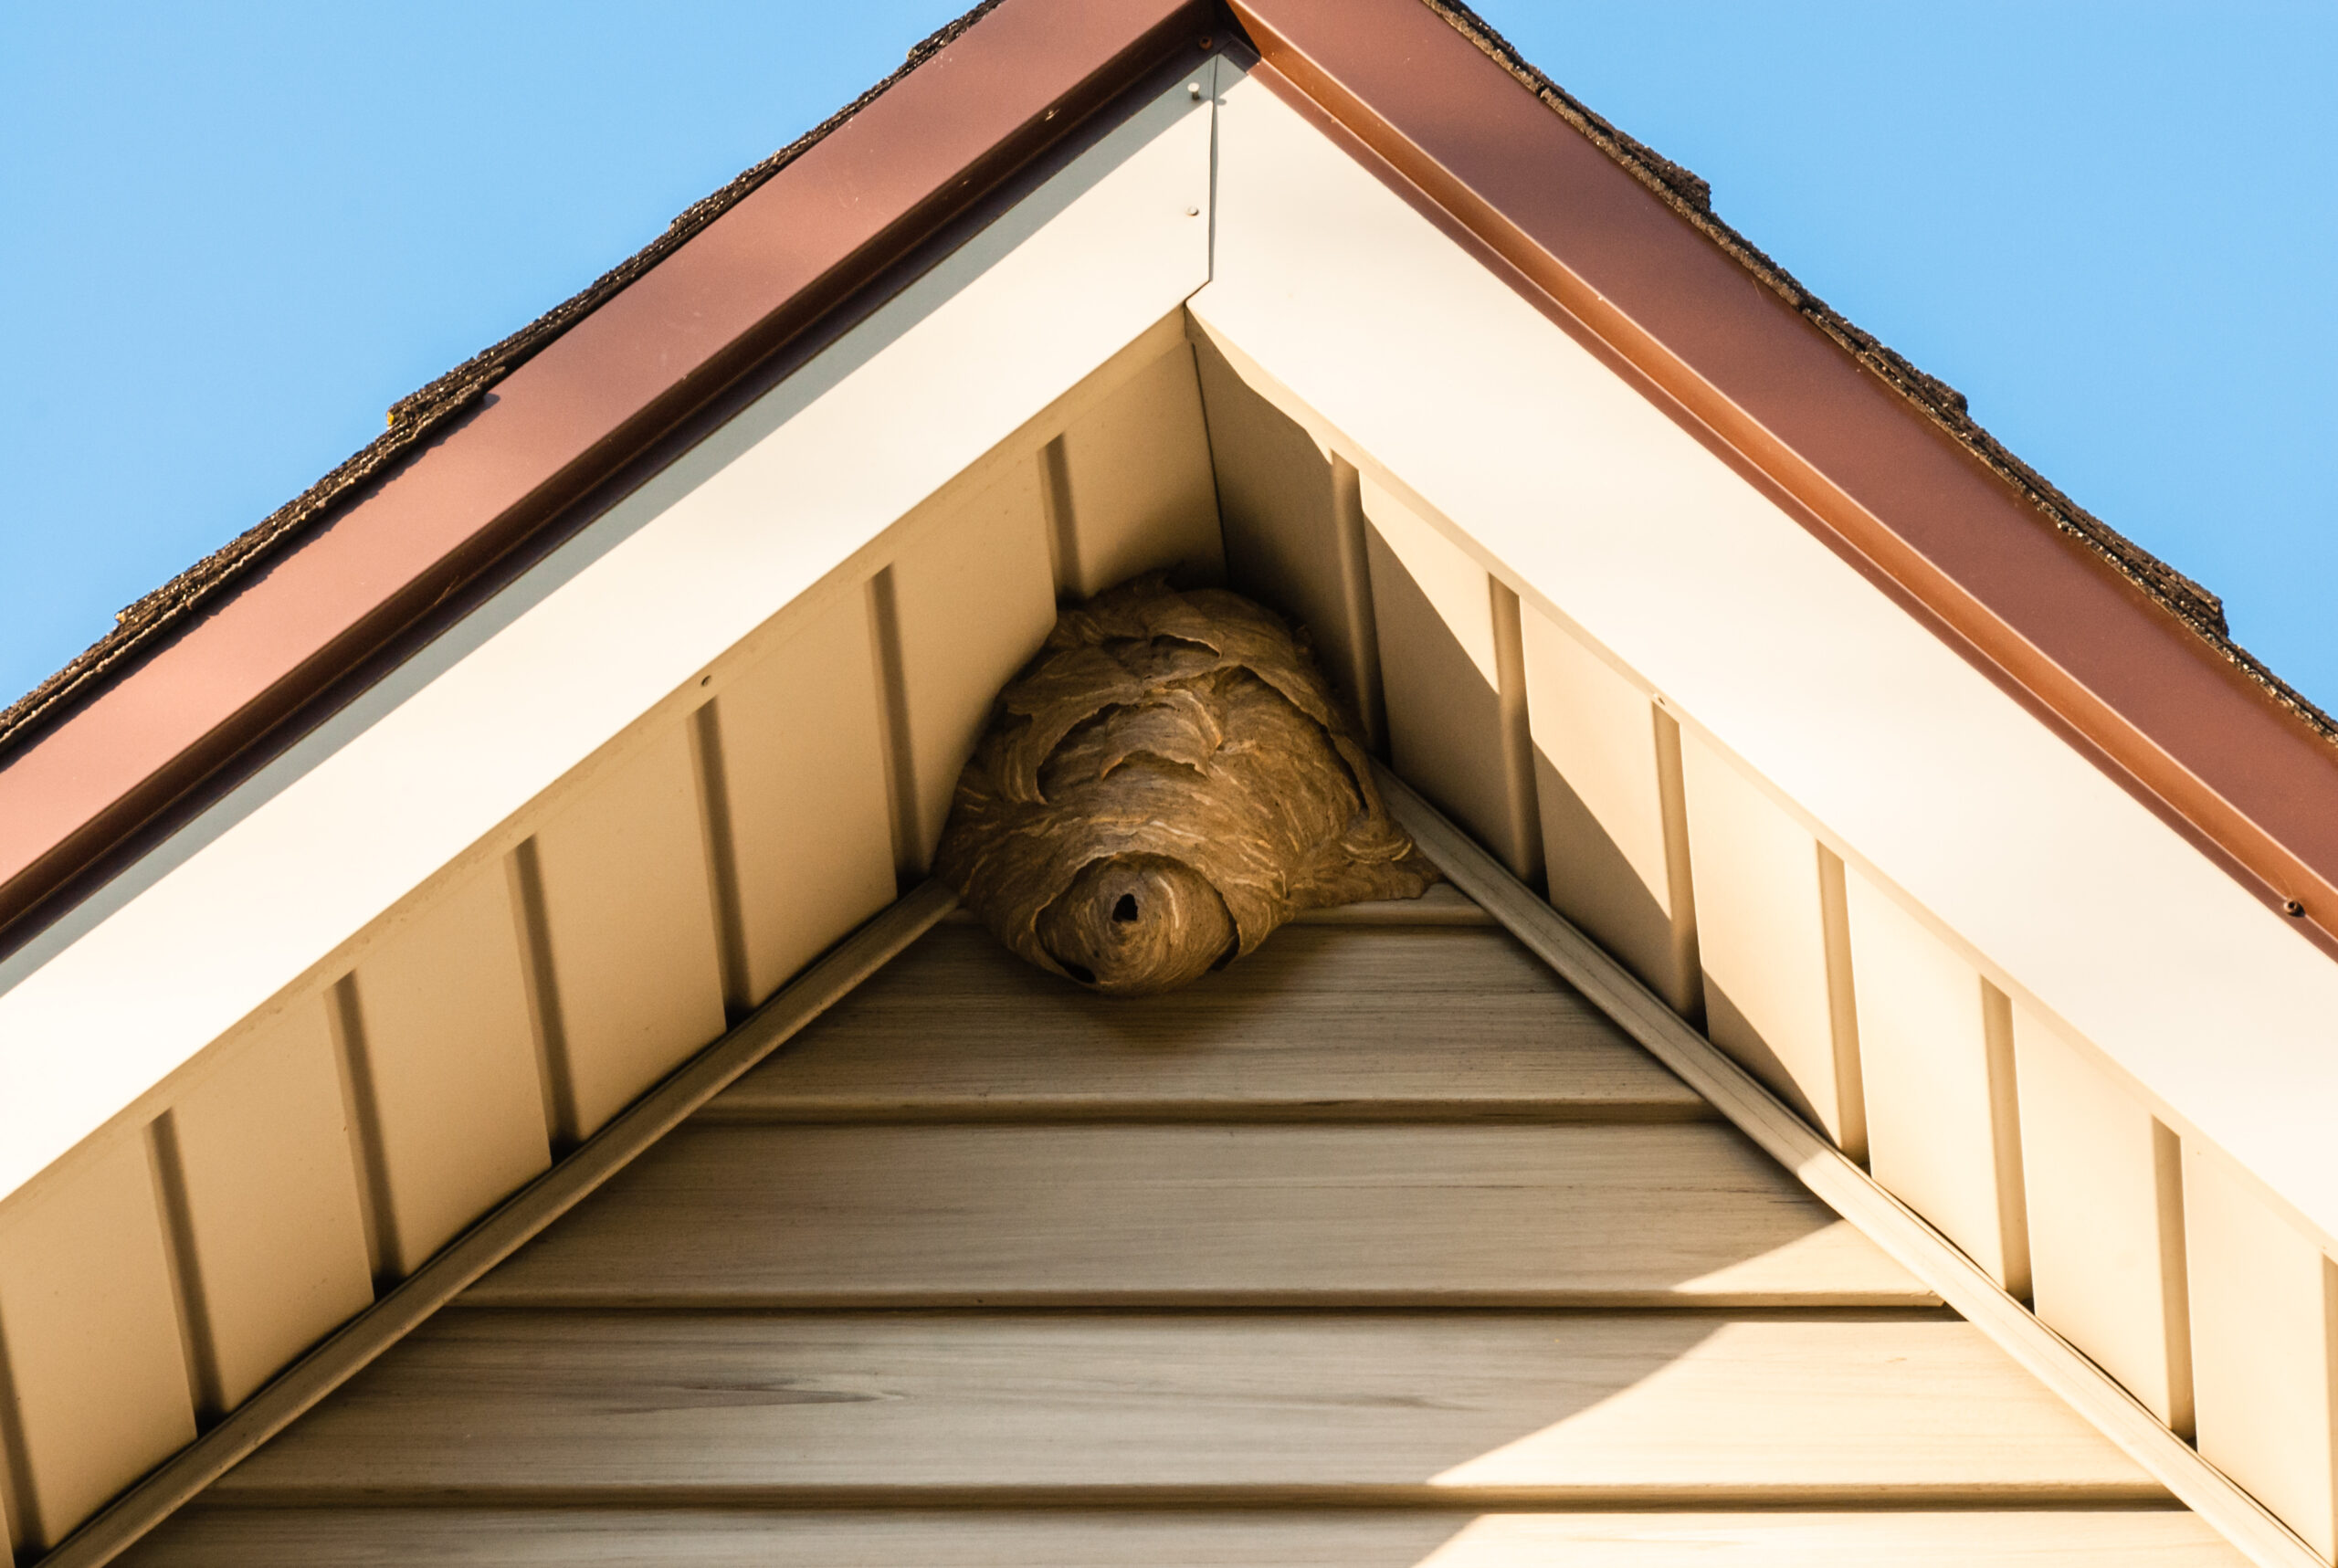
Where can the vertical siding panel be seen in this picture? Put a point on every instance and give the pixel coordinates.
(1762, 942)
(1601, 794)
(1440, 675)
(629, 915)
(2261, 1352)
(273, 1222)
(1282, 529)
(2100, 1248)
(803, 765)
(443, 1012)
(1140, 494)
(974, 596)
(91, 1328)
(1934, 1137)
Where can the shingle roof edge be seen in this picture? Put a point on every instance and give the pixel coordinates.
(1691, 196)
(412, 420)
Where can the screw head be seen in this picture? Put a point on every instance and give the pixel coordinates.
(2294, 909)
(1192, 212)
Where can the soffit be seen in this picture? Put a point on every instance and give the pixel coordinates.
(1612, 506)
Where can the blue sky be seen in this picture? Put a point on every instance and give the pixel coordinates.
(235, 234)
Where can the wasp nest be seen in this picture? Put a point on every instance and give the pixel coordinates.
(1165, 783)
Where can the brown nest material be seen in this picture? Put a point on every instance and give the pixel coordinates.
(1167, 782)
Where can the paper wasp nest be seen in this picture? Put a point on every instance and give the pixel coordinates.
(1163, 784)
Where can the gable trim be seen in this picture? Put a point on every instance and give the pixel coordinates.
(2075, 623)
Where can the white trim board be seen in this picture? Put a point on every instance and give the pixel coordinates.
(1586, 498)
(386, 798)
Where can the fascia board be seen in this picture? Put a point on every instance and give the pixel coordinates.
(1620, 517)
(397, 788)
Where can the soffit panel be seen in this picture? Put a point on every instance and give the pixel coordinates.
(403, 788)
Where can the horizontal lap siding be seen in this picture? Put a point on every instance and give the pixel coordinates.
(961, 1185)
(794, 1408)
(1257, 1538)
(1301, 1028)
(1682, 1215)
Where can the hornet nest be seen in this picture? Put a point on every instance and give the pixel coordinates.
(1163, 784)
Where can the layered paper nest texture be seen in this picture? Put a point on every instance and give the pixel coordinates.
(1167, 782)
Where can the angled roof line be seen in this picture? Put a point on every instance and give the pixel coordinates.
(97, 752)
(213, 666)
(2125, 658)
(411, 421)
(1690, 196)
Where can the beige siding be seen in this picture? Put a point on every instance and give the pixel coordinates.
(1441, 675)
(972, 597)
(1937, 1073)
(802, 755)
(2142, 1537)
(629, 928)
(2103, 1195)
(1762, 941)
(90, 1326)
(2262, 1370)
(442, 1039)
(1615, 864)
(1578, 1408)
(276, 1238)
(1140, 497)
(1285, 522)
(1685, 1215)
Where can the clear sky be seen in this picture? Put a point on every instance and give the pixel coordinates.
(234, 233)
